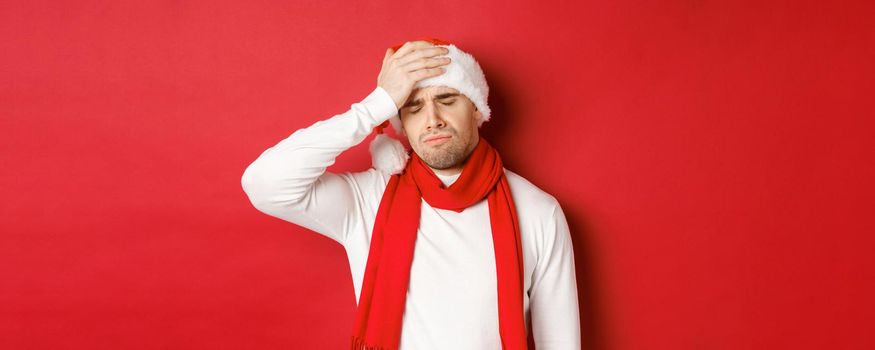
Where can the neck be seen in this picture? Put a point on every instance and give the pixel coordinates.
(449, 171)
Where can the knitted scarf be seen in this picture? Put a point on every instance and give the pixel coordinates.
(384, 289)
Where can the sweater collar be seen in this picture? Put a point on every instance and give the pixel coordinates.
(448, 179)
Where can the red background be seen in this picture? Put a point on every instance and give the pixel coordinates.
(714, 161)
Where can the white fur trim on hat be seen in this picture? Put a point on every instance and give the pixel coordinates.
(463, 73)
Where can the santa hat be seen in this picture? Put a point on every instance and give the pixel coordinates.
(463, 73)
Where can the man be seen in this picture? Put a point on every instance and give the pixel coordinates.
(447, 248)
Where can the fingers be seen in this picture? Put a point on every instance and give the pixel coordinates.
(422, 53)
(389, 53)
(427, 63)
(412, 46)
(412, 62)
(422, 63)
(427, 73)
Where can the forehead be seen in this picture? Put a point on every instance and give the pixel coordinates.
(431, 91)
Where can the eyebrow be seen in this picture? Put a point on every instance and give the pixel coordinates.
(418, 101)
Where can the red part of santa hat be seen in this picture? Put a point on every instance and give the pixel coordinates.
(434, 41)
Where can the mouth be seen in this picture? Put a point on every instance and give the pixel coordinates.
(437, 139)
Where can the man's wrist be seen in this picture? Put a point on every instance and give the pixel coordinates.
(381, 105)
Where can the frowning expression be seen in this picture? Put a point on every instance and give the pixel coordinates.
(441, 125)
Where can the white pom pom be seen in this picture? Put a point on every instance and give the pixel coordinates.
(388, 154)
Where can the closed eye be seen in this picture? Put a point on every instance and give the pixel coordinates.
(445, 103)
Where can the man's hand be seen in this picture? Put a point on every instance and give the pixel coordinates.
(414, 61)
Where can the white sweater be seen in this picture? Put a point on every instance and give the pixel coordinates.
(451, 299)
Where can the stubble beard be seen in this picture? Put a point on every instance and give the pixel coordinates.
(447, 155)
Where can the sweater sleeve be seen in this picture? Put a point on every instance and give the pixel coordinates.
(289, 180)
(553, 297)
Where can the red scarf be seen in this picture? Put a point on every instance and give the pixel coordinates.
(384, 289)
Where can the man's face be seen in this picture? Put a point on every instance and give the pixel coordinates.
(441, 126)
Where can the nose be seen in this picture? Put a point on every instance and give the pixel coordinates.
(435, 121)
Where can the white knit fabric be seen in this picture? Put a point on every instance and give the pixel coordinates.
(451, 300)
